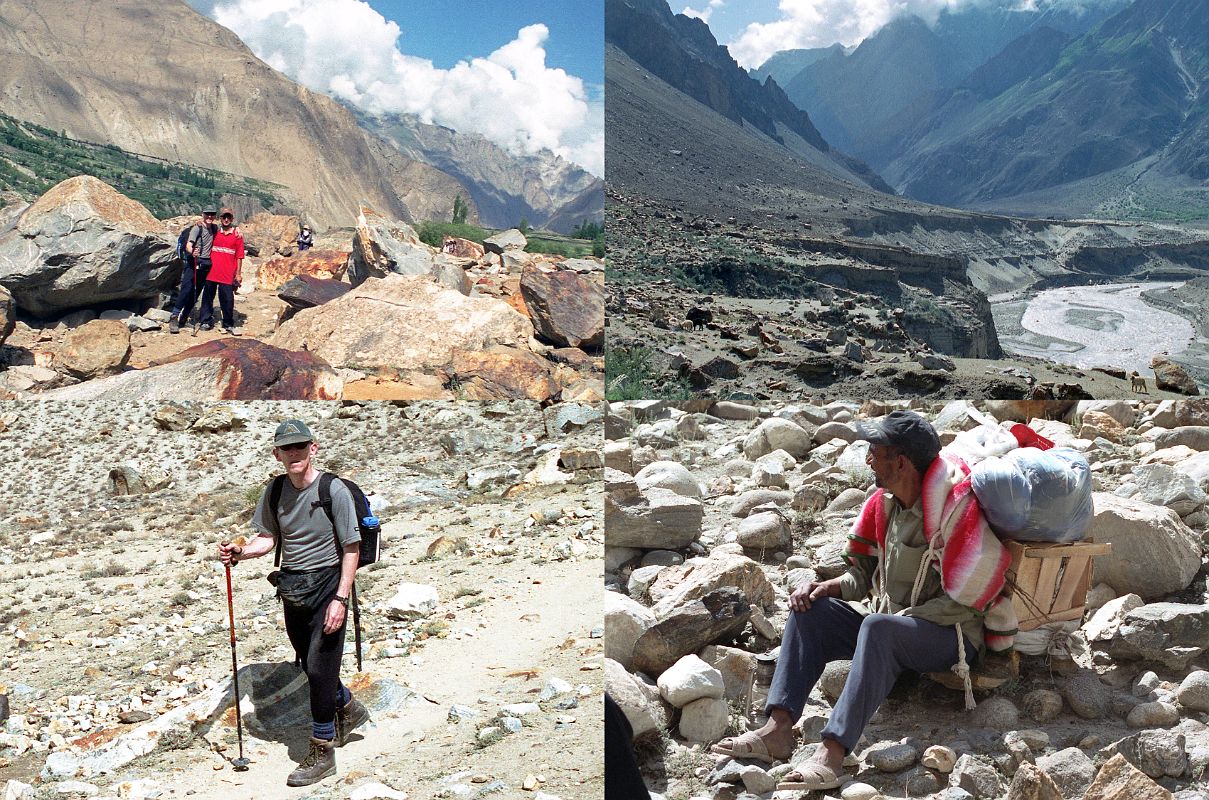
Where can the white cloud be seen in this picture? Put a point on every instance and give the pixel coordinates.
(705, 13)
(820, 23)
(346, 49)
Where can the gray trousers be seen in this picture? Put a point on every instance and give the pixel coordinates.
(881, 647)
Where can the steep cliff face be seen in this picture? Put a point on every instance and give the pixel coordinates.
(548, 191)
(174, 84)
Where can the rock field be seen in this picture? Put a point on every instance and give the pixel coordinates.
(482, 630)
(370, 312)
(715, 511)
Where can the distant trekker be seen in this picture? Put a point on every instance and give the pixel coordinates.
(226, 272)
(306, 240)
(198, 244)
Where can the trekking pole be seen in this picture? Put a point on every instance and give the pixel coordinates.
(240, 764)
(357, 625)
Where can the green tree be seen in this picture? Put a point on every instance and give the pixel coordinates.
(523, 226)
(460, 210)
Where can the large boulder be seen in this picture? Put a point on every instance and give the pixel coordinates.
(383, 246)
(266, 235)
(8, 314)
(323, 264)
(625, 620)
(716, 617)
(83, 244)
(503, 373)
(668, 475)
(777, 434)
(1120, 780)
(654, 519)
(1171, 634)
(697, 577)
(511, 239)
(1197, 468)
(1161, 485)
(639, 702)
(1153, 552)
(95, 349)
(406, 322)
(1194, 436)
(567, 309)
(223, 369)
(1171, 377)
(690, 679)
(305, 291)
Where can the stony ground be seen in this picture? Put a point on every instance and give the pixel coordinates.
(801, 318)
(114, 612)
(1067, 715)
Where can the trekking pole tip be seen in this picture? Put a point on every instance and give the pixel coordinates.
(240, 764)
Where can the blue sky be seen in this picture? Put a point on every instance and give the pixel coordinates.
(527, 75)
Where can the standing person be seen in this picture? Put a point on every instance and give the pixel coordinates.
(305, 239)
(314, 583)
(226, 273)
(930, 586)
(197, 266)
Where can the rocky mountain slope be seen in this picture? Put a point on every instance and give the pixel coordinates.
(548, 191)
(1048, 115)
(173, 84)
(852, 96)
(682, 52)
(481, 623)
(86, 315)
(725, 213)
(716, 512)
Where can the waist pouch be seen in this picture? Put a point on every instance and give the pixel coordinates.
(305, 590)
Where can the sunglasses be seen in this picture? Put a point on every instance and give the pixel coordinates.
(297, 446)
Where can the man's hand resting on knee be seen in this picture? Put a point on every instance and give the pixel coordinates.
(807, 593)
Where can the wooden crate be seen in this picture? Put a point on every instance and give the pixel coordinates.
(1049, 582)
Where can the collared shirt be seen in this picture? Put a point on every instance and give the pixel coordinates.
(905, 548)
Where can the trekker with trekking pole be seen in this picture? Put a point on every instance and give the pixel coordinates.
(310, 519)
(194, 249)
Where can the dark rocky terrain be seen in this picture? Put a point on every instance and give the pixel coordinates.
(869, 283)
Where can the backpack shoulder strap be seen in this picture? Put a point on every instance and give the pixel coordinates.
(274, 498)
(325, 501)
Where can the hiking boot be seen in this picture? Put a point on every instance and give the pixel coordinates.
(353, 715)
(207, 326)
(227, 330)
(320, 763)
(174, 326)
(237, 331)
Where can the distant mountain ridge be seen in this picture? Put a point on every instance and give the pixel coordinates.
(161, 79)
(1126, 105)
(683, 52)
(546, 190)
(851, 95)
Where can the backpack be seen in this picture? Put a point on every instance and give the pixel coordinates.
(181, 241)
(367, 525)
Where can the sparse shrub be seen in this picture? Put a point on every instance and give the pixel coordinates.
(111, 570)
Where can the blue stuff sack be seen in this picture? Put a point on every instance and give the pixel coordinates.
(1033, 495)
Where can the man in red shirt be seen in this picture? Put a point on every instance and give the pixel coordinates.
(226, 270)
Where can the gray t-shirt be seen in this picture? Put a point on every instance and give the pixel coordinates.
(306, 532)
(202, 238)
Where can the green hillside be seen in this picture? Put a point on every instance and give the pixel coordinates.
(33, 159)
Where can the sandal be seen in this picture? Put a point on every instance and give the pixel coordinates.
(811, 777)
(746, 745)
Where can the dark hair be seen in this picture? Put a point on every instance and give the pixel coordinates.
(921, 461)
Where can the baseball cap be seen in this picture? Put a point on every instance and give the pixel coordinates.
(905, 430)
(292, 431)
(209, 210)
(226, 212)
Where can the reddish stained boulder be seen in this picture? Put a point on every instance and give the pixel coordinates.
(462, 248)
(503, 373)
(223, 369)
(567, 309)
(326, 264)
(306, 291)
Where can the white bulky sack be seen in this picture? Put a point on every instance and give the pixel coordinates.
(1035, 495)
(978, 444)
